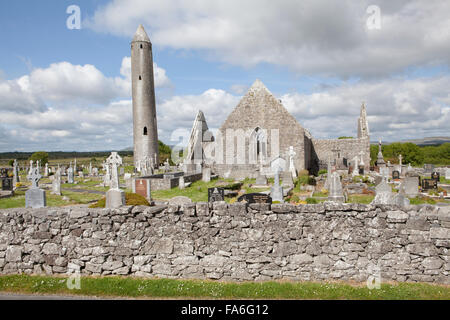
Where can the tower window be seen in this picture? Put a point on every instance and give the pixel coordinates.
(140, 78)
(141, 46)
(145, 131)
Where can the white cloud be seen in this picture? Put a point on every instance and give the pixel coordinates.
(311, 36)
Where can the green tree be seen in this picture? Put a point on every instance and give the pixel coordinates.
(42, 156)
(11, 163)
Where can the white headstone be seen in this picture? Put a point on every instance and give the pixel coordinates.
(335, 193)
(276, 192)
(114, 196)
(292, 154)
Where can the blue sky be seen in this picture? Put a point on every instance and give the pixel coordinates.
(64, 89)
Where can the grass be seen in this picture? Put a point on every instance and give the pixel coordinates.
(169, 288)
(360, 198)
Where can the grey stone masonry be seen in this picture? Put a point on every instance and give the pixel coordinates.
(231, 242)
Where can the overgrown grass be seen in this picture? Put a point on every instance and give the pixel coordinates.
(18, 200)
(169, 288)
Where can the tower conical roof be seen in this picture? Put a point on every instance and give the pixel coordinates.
(141, 35)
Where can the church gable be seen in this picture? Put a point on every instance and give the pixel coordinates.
(259, 108)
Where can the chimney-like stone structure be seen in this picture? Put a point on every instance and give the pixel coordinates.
(145, 129)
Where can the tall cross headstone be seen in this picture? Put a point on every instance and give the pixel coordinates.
(114, 197)
(35, 197)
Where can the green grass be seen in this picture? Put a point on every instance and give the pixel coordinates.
(169, 288)
(19, 201)
(357, 198)
(420, 200)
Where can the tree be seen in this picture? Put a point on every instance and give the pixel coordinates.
(11, 163)
(42, 156)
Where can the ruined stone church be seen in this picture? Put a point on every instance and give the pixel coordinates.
(260, 135)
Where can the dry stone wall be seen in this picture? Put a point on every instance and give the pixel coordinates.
(231, 241)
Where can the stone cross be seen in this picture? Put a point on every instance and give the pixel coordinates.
(34, 176)
(361, 154)
(292, 154)
(114, 160)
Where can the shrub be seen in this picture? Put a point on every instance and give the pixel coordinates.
(131, 199)
(295, 199)
(323, 171)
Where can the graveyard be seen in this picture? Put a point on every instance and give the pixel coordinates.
(259, 202)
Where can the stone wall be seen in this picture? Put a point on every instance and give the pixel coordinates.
(349, 148)
(231, 241)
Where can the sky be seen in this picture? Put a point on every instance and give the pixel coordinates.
(69, 89)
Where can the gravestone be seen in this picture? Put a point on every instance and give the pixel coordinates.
(361, 170)
(142, 187)
(355, 166)
(436, 176)
(128, 180)
(255, 198)
(70, 178)
(286, 178)
(261, 180)
(114, 196)
(216, 194)
(81, 174)
(395, 174)
(107, 177)
(35, 197)
(384, 171)
(90, 169)
(95, 172)
(7, 184)
(335, 193)
(206, 176)
(428, 184)
(122, 171)
(46, 170)
(411, 186)
(16, 176)
(278, 164)
(56, 183)
(447, 173)
(384, 195)
(276, 192)
(181, 184)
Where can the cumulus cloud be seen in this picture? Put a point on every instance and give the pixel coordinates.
(69, 106)
(311, 36)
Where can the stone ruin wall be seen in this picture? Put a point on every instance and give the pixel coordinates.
(349, 149)
(231, 242)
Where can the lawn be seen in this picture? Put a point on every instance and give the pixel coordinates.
(170, 288)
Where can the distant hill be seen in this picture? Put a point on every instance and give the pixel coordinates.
(429, 141)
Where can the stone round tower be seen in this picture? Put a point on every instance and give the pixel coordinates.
(145, 130)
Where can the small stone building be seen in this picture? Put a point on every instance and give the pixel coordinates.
(260, 132)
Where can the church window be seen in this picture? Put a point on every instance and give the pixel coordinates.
(145, 131)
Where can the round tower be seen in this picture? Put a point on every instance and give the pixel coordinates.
(145, 130)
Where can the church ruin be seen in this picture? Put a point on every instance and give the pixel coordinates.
(260, 135)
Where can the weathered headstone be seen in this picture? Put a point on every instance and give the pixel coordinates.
(7, 184)
(56, 183)
(335, 193)
(181, 184)
(355, 166)
(261, 180)
(35, 197)
(70, 174)
(114, 196)
(46, 170)
(384, 195)
(384, 171)
(255, 198)
(276, 192)
(107, 176)
(206, 175)
(410, 186)
(286, 178)
(16, 176)
(95, 171)
(128, 180)
(90, 169)
(142, 187)
(447, 173)
(122, 171)
(216, 194)
(81, 174)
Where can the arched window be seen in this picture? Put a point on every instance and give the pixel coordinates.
(140, 78)
(145, 131)
(258, 146)
(141, 46)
